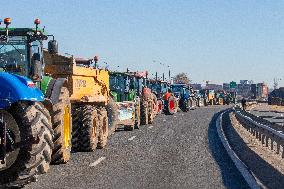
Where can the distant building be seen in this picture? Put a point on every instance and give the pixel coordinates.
(244, 82)
(254, 90)
(215, 87)
(244, 89)
(263, 90)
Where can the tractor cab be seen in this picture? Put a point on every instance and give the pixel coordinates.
(159, 88)
(122, 86)
(21, 50)
(180, 91)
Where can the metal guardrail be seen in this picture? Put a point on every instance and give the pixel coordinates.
(269, 136)
(243, 169)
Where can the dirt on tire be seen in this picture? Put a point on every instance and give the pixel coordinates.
(151, 112)
(112, 111)
(32, 157)
(103, 128)
(86, 129)
(61, 151)
(144, 113)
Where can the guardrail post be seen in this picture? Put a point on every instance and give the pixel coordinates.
(262, 139)
(277, 148)
(266, 141)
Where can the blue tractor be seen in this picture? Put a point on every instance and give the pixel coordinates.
(25, 125)
(34, 118)
(183, 94)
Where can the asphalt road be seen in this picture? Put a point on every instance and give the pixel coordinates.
(180, 151)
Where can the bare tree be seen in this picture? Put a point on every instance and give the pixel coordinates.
(181, 78)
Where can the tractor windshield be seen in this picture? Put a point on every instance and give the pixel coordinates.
(13, 55)
(177, 88)
(117, 83)
(156, 87)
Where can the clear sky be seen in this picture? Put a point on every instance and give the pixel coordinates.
(210, 40)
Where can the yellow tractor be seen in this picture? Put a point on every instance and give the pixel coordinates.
(89, 96)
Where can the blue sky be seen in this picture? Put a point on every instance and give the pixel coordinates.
(210, 40)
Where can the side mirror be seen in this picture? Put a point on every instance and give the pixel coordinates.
(36, 71)
(53, 47)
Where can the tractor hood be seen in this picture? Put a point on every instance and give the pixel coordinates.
(15, 88)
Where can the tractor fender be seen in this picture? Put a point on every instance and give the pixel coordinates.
(54, 88)
(15, 88)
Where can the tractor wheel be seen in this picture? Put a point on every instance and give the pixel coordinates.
(137, 114)
(103, 128)
(155, 104)
(29, 143)
(186, 105)
(76, 128)
(89, 130)
(151, 112)
(112, 112)
(144, 113)
(172, 106)
(62, 126)
(160, 106)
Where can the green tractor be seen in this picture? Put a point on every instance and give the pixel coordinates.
(21, 54)
(122, 87)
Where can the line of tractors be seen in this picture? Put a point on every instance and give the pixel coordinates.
(52, 104)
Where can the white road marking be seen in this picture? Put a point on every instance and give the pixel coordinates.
(150, 127)
(131, 138)
(97, 161)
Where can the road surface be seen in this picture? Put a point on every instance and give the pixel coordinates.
(180, 151)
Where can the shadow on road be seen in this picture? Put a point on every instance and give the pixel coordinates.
(232, 178)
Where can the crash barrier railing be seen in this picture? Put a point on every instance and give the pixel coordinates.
(262, 130)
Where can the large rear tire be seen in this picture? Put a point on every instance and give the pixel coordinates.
(144, 113)
(151, 112)
(29, 126)
(103, 128)
(62, 126)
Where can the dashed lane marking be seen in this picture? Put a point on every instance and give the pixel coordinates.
(97, 161)
(131, 138)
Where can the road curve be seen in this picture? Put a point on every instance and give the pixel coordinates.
(180, 151)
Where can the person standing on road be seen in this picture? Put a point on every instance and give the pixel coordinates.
(244, 104)
(168, 94)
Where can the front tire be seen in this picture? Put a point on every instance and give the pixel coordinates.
(30, 126)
